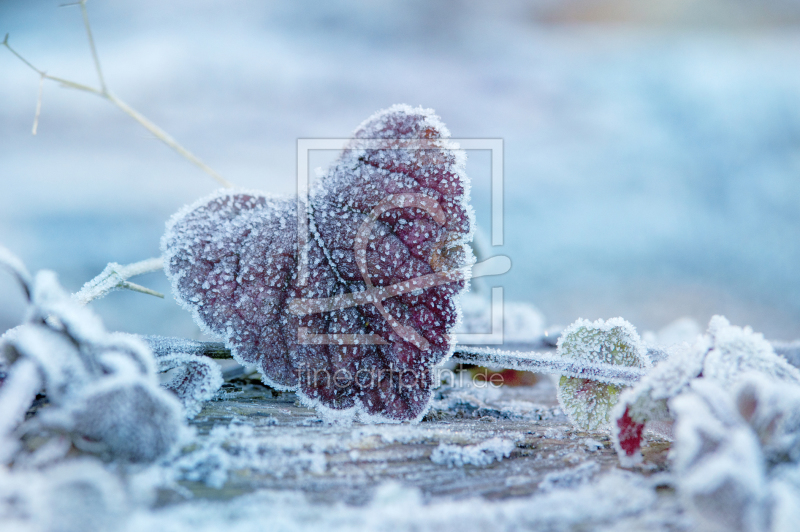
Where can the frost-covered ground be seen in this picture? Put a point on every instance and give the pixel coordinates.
(651, 172)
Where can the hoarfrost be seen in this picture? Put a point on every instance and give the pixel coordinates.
(736, 454)
(570, 478)
(479, 455)
(74, 496)
(588, 402)
(356, 318)
(614, 497)
(102, 387)
(193, 379)
(238, 446)
(723, 355)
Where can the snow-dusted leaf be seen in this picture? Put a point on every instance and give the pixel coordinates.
(102, 387)
(723, 355)
(194, 379)
(718, 461)
(356, 320)
(772, 409)
(587, 402)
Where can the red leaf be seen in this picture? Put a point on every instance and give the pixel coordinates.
(360, 333)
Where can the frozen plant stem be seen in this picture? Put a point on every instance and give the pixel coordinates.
(103, 92)
(517, 360)
(115, 277)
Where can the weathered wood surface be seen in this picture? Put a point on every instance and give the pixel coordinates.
(288, 447)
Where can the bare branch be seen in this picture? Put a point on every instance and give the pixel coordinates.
(115, 277)
(38, 105)
(103, 92)
(88, 27)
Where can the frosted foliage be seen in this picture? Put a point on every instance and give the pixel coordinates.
(718, 461)
(737, 350)
(723, 355)
(102, 388)
(482, 454)
(234, 261)
(587, 402)
(772, 409)
(614, 341)
(193, 379)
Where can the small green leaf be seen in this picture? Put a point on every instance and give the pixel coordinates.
(588, 403)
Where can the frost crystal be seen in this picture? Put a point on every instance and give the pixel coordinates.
(356, 319)
(481, 454)
(588, 402)
(723, 355)
(193, 379)
(102, 388)
(718, 461)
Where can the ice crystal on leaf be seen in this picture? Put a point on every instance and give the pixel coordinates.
(737, 451)
(587, 402)
(723, 355)
(356, 318)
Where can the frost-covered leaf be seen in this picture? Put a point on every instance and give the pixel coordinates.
(772, 409)
(723, 355)
(101, 387)
(194, 379)
(359, 330)
(718, 461)
(587, 402)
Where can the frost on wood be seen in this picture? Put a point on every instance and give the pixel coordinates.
(722, 355)
(588, 402)
(356, 319)
(481, 454)
(102, 388)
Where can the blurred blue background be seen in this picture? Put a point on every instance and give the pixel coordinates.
(652, 152)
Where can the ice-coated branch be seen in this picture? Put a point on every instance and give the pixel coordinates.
(516, 360)
(115, 277)
(104, 93)
(546, 363)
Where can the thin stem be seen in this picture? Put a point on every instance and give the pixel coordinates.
(167, 139)
(523, 361)
(88, 27)
(115, 277)
(159, 133)
(547, 363)
(38, 105)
